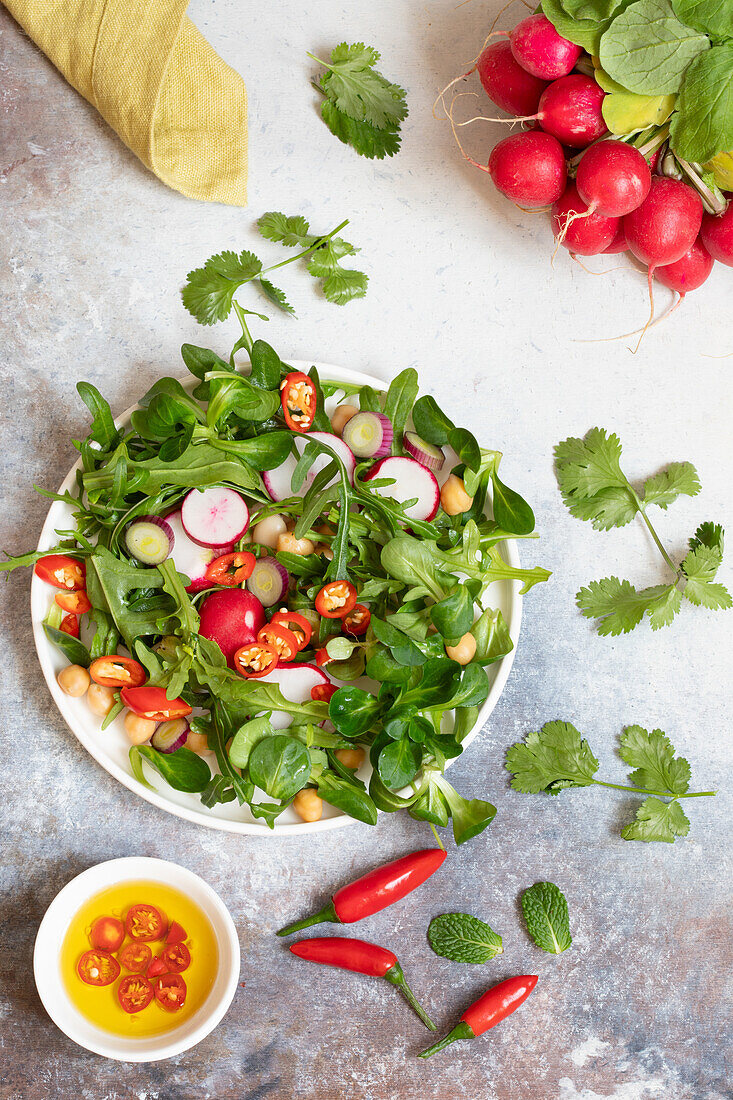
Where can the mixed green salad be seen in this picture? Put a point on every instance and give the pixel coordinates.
(288, 591)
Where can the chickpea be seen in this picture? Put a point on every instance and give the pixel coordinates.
(139, 730)
(323, 550)
(341, 417)
(292, 545)
(268, 531)
(464, 651)
(74, 681)
(350, 758)
(101, 699)
(308, 804)
(453, 496)
(197, 742)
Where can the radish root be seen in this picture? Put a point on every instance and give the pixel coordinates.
(440, 96)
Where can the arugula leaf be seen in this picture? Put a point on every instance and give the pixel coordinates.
(545, 911)
(657, 820)
(551, 759)
(647, 49)
(103, 431)
(463, 938)
(652, 755)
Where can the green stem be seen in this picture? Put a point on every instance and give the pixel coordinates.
(396, 977)
(328, 913)
(461, 1031)
(438, 841)
(655, 536)
(311, 248)
(659, 794)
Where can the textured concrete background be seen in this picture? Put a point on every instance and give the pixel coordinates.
(92, 253)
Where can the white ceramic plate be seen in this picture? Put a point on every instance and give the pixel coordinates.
(110, 747)
(50, 981)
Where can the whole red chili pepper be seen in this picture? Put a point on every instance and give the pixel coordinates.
(375, 890)
(488, 1011)
(364, 958)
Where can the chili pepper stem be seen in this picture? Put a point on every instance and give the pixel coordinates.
(396, 977)
(328, 913)
(462, 1030)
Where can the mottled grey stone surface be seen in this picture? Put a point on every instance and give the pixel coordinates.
(92, 252)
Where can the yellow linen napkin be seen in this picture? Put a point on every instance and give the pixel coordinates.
(156, 80)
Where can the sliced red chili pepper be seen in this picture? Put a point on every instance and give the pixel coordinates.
(488, 1011)
(70, 625)
(76, 603)
(170, 992)
(61, 571)
(281, 639)
(135, 957)
(255, 660)
(358, 619)
(144, 922)
(375, 890)
(336, 599)
(322, 657)
(300, 626)
(176, 933)
(107, 934)
(176, 958)
(364, 958)
(98, 968)
(299, 401)
(134, 993)
(115, 671)
(231, 570)
(322, 693)
(151, 702)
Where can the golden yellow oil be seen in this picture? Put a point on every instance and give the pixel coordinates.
(99, 1004)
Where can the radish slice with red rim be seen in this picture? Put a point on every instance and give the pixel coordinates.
(429, 456)
(296, 681)
(170, 735)
(278, 482)
(214, 517)
(410, 480)
(369, 435)
(149, 539)
(268, 581)
(189, 558)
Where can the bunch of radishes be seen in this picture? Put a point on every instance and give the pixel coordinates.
(607, 199)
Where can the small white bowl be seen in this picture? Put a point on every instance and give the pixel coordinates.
(47, 956)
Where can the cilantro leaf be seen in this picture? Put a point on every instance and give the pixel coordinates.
(679, 478)
(463, 938)
(700, 567)
(368, 140)
(657, 820)
(652, 755)
(545, 910)
(664, 601)
(209, 290)
(616, 603)
(290, 231)
(610, 508)
(550, 760)
(340, 284)
(276, 296)
(586, 466)
(708, 534)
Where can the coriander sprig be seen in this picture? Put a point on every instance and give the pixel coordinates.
(557, 757)
(595, 488)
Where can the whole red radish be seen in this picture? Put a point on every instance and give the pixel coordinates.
(717, 235)
(529, 168)
(618, 244)
(587, 235)
(506, 83)
(689, 272)
(666, 224)
(540, 50)
(613, 178)
(232, 618)
(570, 110)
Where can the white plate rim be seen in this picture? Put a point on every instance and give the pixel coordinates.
(64, 703)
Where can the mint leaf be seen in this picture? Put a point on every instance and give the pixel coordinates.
(545, 910)
(463, 938)
(678, 479)
(657, 820)
(653, 756)
(550, 760)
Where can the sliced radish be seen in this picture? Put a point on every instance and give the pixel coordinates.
(369, 434)
(296, 682)
(279, 482)
(429, 456)
(411, 479)
(214, 517)
(188, 557)
(149, 539)
(170, 736)
(268, 581)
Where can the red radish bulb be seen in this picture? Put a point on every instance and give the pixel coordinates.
(613, 178)
(717, 235)
(618, 244)
(539, 49)
(529, 168)
(570, 110)
(665, 226)
(687, 273)
(232, 618)
(587, 235)
(506, 83)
